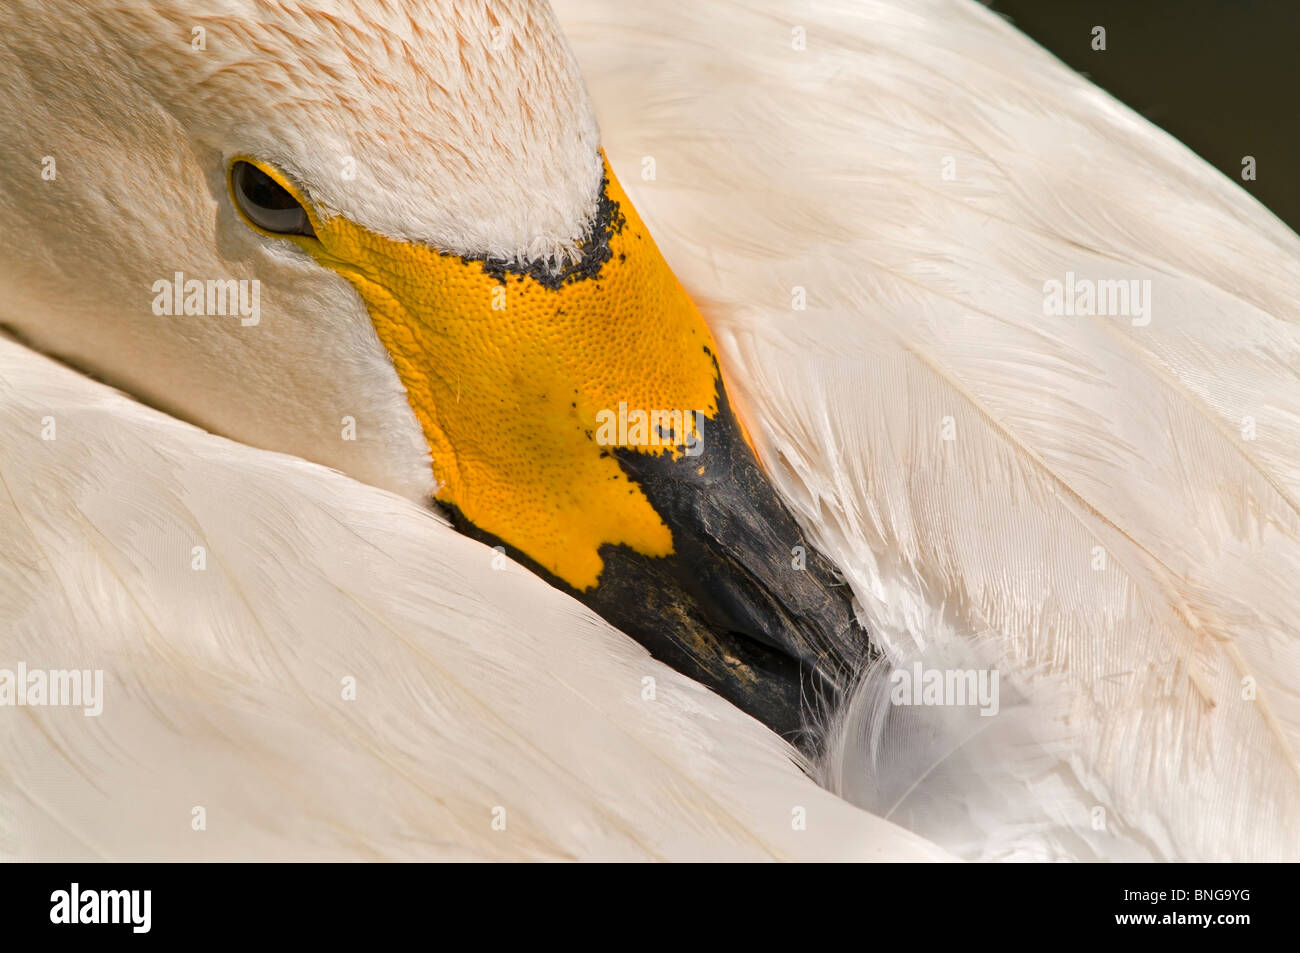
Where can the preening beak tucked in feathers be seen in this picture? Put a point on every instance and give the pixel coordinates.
(576, 415)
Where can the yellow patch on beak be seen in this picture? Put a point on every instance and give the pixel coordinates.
(511, 378)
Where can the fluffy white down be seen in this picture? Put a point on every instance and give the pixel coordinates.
(476, 688)
(1170, 452)
(462, 124)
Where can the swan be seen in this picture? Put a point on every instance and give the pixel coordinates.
(861, 210)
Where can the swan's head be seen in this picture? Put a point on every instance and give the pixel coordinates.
(383, 236)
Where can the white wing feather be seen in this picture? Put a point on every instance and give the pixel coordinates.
(476, 689)
(1113, 519)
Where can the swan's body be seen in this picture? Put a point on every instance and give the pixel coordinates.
(316, 702)
(1174, 446)
(775, 168)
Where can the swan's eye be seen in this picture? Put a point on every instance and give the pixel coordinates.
(266, 203)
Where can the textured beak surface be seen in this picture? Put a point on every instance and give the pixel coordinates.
(578, 418)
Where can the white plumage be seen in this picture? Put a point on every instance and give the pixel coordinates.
(476, 688)
(1165, 454)
(1112, 524)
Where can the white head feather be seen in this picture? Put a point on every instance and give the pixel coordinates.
(464, 126)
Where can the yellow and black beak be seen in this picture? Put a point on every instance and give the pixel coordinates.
(577, 416)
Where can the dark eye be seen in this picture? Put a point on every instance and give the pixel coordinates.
(266, 203)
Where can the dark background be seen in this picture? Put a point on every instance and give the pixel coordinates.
(1221, 75)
